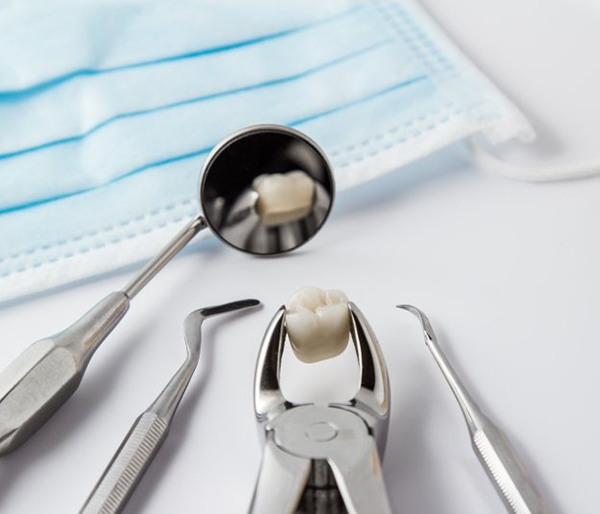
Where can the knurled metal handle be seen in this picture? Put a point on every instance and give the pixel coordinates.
(128, 465)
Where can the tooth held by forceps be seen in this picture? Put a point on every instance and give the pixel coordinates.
(317, 323)
(283, 197)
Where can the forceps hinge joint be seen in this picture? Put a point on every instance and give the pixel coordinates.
(333, 451)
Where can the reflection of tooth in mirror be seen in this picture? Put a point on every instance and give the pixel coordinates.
(243, 227)
(283, 198)
(232, 202)
(317, 323)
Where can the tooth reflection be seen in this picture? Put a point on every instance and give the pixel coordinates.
(283, 197)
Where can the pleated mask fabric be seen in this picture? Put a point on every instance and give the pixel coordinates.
(108, 110)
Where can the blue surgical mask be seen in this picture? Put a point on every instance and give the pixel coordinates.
(106, 124)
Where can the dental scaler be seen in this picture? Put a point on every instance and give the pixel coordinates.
(150, 429)
(493, 449)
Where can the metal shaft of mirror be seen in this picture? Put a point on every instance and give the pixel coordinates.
(265, 190)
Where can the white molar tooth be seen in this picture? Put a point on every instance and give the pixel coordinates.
(317, 323)
(283, 197)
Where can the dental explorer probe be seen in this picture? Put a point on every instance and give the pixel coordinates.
(150, 429)
(492, 447)
(39, 381)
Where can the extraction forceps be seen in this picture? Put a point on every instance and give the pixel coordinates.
(322, 458)
(150, 429)
(492, 447)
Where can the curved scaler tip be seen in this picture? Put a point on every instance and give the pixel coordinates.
(193, 320)
(423, 319)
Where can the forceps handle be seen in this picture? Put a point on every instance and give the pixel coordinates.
(128, 465)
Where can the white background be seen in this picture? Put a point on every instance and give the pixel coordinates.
(507, 271)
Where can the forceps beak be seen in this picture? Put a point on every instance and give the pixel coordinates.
(372, 398)
(374, 381)
(268, 398)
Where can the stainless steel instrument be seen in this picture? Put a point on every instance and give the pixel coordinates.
(47, 373)
(322, 458)
(150, 429)
(492, 447)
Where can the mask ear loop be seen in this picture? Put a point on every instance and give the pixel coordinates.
(486, 161)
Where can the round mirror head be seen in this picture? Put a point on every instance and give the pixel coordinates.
(266, 190)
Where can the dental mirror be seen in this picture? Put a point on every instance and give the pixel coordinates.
(265, 190)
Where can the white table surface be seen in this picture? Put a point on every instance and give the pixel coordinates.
(507, 271)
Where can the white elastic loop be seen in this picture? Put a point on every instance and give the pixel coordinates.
(487, 161)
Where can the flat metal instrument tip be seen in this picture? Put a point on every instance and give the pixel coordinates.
(194, 320)
(207, 312)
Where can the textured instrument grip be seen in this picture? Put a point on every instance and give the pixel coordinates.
(127, 466)
(507, 472)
